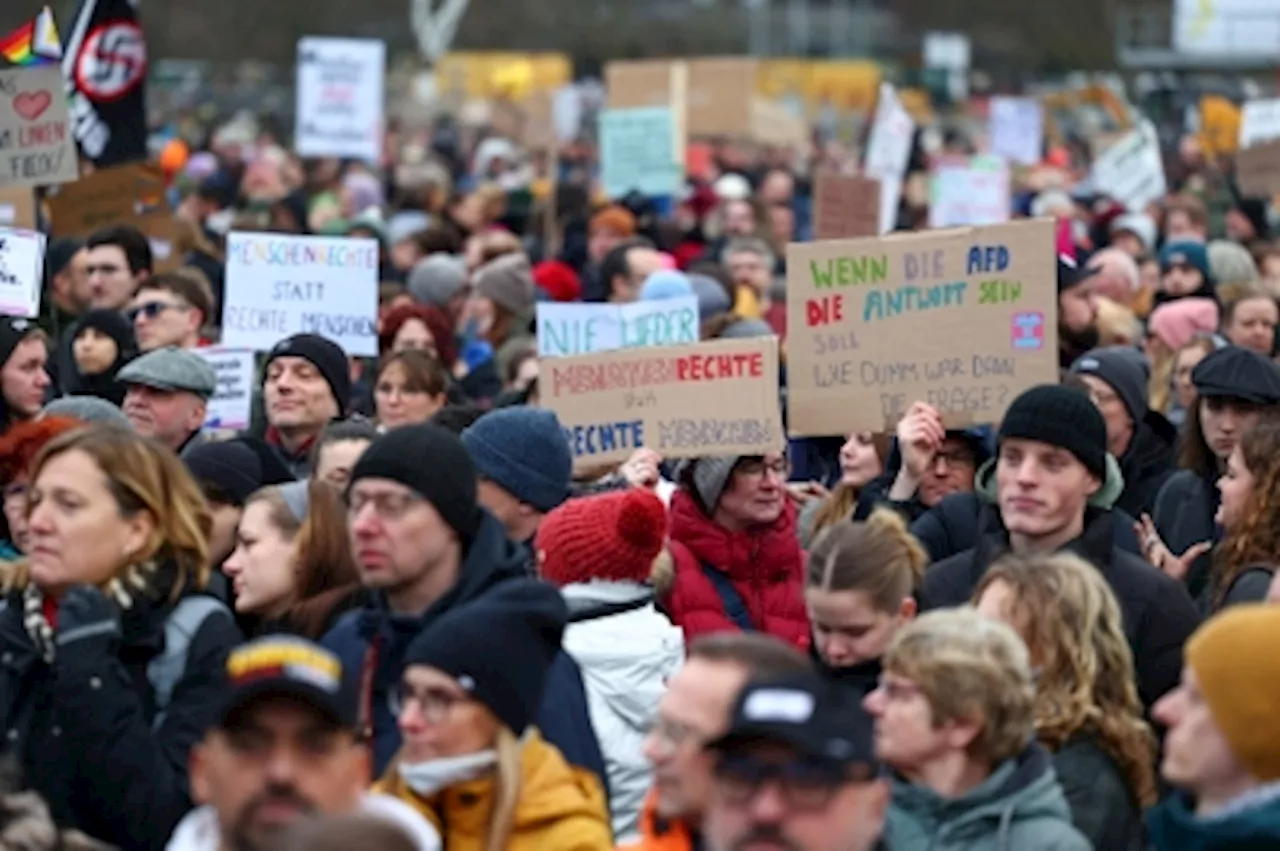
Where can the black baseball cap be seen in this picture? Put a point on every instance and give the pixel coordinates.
(287, 666)
(820, 721)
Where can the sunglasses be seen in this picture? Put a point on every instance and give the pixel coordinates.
(151, 310)
(805, 784)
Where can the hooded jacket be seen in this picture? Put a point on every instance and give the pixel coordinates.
(1172, 825)
(627, 656)
(559, 807)
(86, 730)
(1147, 464)
(765, 567)
(490, 559)
(1020, 807)
(1158, 614)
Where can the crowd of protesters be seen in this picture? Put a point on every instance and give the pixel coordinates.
(393, 613)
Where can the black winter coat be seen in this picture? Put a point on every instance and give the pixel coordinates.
(1147, 464)
(1103, 807)
(1158, 614)
(1183, 516)
(82, 728)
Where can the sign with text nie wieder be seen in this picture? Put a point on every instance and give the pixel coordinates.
(963, 319)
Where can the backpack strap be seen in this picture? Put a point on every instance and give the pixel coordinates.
(734, 606)
(167, 670)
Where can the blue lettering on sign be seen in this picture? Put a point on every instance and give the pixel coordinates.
(987, 258)
(600, 438)
(706, 433)
(568, 337)
(881, 304)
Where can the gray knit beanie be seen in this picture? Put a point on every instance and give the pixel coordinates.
(710, 476)
(437, 279)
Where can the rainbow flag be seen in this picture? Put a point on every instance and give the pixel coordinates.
(35, 43)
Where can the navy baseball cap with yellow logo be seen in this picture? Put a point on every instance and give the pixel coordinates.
(285, 666)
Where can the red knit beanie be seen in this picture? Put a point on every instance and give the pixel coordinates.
(613, 537)
(558, 280)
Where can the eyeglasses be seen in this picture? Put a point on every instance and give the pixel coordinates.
(757, 467)
(432, 703)
(804, 784)
(151, 310)
(954, 458)
(15, 492)
(896, 689)
(388, 506)
(673, 735)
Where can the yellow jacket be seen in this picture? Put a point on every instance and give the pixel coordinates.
(560, 806)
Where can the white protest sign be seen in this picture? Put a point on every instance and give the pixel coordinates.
(278, 285)
(888, 150)
(1131, 170)
(1259, 122)
(638, 152)
(1017, 129)
(583, 329)
(968, 191)
(340, 98)
(21, 271)
(232, 402)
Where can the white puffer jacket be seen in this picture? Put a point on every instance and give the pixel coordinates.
(626, 658)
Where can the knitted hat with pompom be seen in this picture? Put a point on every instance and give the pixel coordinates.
(612, 537)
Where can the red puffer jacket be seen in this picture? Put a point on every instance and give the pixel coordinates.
(766, 566)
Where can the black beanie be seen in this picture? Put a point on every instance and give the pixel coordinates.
(1063, 417)
(114, 325)
(325, 355)
(499, 647)
(237, 467)
(433, 462)
(13, 330)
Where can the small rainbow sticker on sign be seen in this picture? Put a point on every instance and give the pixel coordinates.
(1028, 331)
(34, 43)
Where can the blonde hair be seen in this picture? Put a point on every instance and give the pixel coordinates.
(1086, 680)
(142, 475)
(878, 557)
(843, 499)
(970, 669)
(1160, 384)
(506, 789)
(1117, 325)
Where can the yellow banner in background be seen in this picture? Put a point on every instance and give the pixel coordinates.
(844, 84)
(486, 75)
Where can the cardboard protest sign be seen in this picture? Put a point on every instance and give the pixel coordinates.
(1258, 169)
(36, 145)
(18, 207)
(968, 191)
(639, 151)
(845, 206)
(1259, 122)
(1131, 170)
(1017, 129)
(232, 402)
(714, 398)
(278, 285)
(21, 271)
(131, 195)
(963, 319)
(581, 329)
(340, 97)
(888, 150)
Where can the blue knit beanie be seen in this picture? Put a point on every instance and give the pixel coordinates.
(523, 451)
(664, 284)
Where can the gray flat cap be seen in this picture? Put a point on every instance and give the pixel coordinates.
(87, 409)
(172, 369)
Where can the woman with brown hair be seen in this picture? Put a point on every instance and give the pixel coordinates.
(292, 569)
(861, 460)
(859, 591)
(113, 662)
(1249, 514)
(1087, 711)
(410, 388)
(19, 448)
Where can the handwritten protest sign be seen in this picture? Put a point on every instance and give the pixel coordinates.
(36, 145)
(845, 206)
(1131, 170)
(963, 319)
(131, 195)
(21, 271)
(715, 398)
(968, 191)
(340, 97)
(1258, 169)
(888, 150)
(279, 285)
(1259, 122)
(638, 152)
(1017, 129)
(581, 329)
(231, 404)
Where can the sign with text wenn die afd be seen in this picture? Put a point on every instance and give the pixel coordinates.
(340, 98)
(279, 285)
(963, 319)
(583, 329)
(36, 145)
(713, 398)
(21, 271)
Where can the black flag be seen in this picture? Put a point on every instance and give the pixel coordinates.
(105, 65)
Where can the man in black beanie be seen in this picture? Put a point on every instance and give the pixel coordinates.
(306, 383)
(423, 546)
(1051, 462)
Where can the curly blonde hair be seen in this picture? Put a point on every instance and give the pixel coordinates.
(1075, 633)
(1256, 539)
